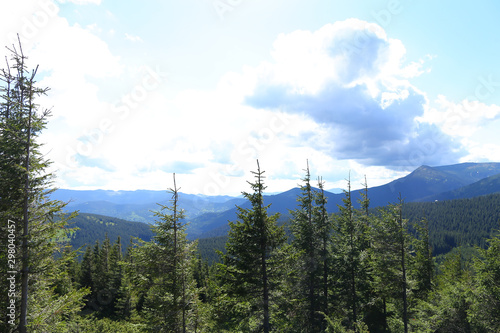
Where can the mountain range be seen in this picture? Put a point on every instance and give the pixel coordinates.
(208, 216)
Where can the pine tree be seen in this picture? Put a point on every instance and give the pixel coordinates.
(449, 305)
(249, 263)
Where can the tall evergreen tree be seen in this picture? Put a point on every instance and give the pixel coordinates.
(324, 225)
(249, 263)
(390, 254)
(350, 251)
(305, 242)
(164, 267)
(486, 310)
(311, 229)
(422, 269)
(448, 307)
(26, 211)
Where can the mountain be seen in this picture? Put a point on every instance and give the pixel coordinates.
(459, 222)
(453, 186)
(423, 184)
(485, 186)
(208, 216)
(335, 190)
(428, 181)
(92, 228)
(137, 205)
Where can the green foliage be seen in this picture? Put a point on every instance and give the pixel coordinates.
(485, 310)
(462, 222)
(448, 305)
(91, 228)
(45, 298)
(390, 252)
(351, 232)
(101, 272)
(208, 247)
(362, 272)
(163, 273)
(334, 325)
(422, 271)
(311, 230)
(91, 324)
(250, 265)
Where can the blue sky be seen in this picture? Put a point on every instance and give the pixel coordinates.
(203, 88)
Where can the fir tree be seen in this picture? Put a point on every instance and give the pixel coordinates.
(304, 232)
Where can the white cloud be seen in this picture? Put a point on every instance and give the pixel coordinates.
(481, 152)
(473, 123)
(81, 2)
(340, 97)
(133, 38)
(461, 119)
(353, 79)
(71, 62)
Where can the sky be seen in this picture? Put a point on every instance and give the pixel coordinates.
(140, 90)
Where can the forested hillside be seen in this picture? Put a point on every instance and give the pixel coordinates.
(461, 222)
(358, 270)
(92, 228)
(452, 223)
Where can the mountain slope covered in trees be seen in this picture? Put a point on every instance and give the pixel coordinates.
(452, 223)
(92, 228)
(424, 184)
(208, 214)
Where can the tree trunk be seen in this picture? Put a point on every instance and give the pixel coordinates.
(403, 269)
(265, 294)
(23, 318)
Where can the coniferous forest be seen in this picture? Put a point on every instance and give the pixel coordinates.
(359, 270)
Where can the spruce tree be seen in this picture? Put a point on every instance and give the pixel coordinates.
(311, 233)
(422, 270)
(391, 254)
(164, 271)
(350, 252)
(486, 310)
(26, 211)
(250, 267)
(449, 307)
(324, 225)
(303, 230)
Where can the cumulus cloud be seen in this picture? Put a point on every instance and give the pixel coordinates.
(461, 119)
(340, 96)
(471, 122)
(351, 78)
